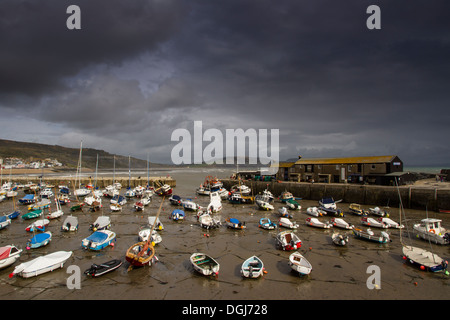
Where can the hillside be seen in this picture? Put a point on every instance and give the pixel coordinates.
(68, 156)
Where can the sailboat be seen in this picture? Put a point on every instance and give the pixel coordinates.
(56, 214)
(80, 192)
(143, 253)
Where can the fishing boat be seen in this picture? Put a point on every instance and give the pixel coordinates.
(164, 190)
(177, 215)
(371, 236)
(288, 241)
(390, 223)
(118, 199)
(105, 267)
(266, 223)
(234, 223)
(115, 207)
(204, 264)
(175, 200)
(371, 222)
(144, 235)
(101, 223)
(252, 267)
(42, 264)
(215, 202)
(379, 212)
(292, 204)
(39, 240)
(139, 191)
(4, 222)
(28, 199)
(314, 222)
(356, 209)
(8, 255)
(32, 214)
(286, 223)
(241, 188)
(38, 225)
(300, 264)
(267, 196)
(237, 198)
(208, 222)
(286, 195)
(70, 224)
(315, 212)
(341, 223)
(430, 229)
(190, 205)
(283, 212)
(99, 240)
(328, 203)
(339, 239)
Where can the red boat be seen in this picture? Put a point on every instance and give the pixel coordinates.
(165, 190)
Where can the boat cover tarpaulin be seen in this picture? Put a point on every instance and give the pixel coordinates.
(233, 220)
(28, 197)
(97, 236)
(40, 238)
(4, 252)
(3, 218)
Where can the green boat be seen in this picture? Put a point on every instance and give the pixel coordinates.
(32, 214)
(76, 207)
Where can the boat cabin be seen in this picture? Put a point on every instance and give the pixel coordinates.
(432, 225)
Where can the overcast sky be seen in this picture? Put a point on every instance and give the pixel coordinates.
(137, 70)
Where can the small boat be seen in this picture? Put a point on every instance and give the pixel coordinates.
(357, 210)
(215, 202)
(46, 193)
(267, 224)
(8, 255)
(284, 213)
(176, 200)
(314, 222)
(242, 189)
(164, 190)
(115, 207)
(139, 191)
(300, 264)
(38, 225)
(77, 206)
(379, 212)
(146, 199)
(32, 214)
(99, 240)
(328, 203)
(431, 230)
(208, 222)
(315, 212)
(55, 214)
(118, 199)
(99, 270)
(339, 239)
(130, 193)
(42, 264)
(177, 215)
(371, 222)
(41, 205)
(14, 215)
(234, 223)
(264, 205)
(288, 241)
(101, 223)
(144, 234)
(70, 224)
(390, 223)
(292, 204)
(253, 267)
(340, 223)
(204, 264)
(4, 222)
(27, 199)
(286, 195)
(190, 205)
(423, 259)
(82, 192)
(285, 222)
(159, 226)
(39, 240)
(63, 198)
(371, 236)
(138, 206)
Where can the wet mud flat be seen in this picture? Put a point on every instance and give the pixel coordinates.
(339, 273)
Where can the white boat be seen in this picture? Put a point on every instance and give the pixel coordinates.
(287, 240)
(208, 222)
(115, 207)
(215, 202)
(341, 223)
(283, 211)
(42, 264)
(188, 204)
(99, 240)
(286, 223)
(267, 224)
(82, 192)
(293, 205)
(315, 212)
(176, 200)
(144, 233)
(264, 205)
(314, 222)
(130, 193)
(252, 267)
(118, 199)
(339, 239)
(5, 221)
(234, 223)
(139, 191)
(159, 226)
(138, 206)
(8, 255)
(38, 225)
(379, 212)
(431, 229)
(383, 237)
(241, 188)
(390, 223)
(46, 193)
(286, 195)
(328, 203)
(300, 264)
(70, 224)
(101, 223)
(371, 222)
(146, 199)
(423, 259)
(204, 264)
(57, 213)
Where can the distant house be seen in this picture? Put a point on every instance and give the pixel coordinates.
(372, 169)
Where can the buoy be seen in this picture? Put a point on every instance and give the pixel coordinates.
(415, 283)
(310, 248)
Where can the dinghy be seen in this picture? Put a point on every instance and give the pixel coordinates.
(99, 240)
(38, 225)
(42, 264)
(115, 207)
(8, 255)
(208, 222)
(315, 212)
(204, 264)
(371, 236)
(390, 223)
(144, 234)
(284, 213)
(379, 212)
(190, 205)
(300, 264)
(101, 223)
(138, 206)
(357, 210)
(14, 215)
(264, 205)
(253, 267)
(39, 240)
(340, 223)
(371, 222)
(285, 196)
(118, 199)
(159, 226)
(292, 204)
(285, 222)
(70, 224)
(4, 222)
(32, 214)
(99, 270)
(314, 222)
(288, 241)
(234, 223)
(265, 223)
(339, 239)
(177, 215)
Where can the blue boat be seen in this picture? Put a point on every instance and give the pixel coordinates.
(99, 240)
(177, 214)
(234, 223)
(265, 223)
(4, 222)
(28, 199)
(14, 215)
(39, 240)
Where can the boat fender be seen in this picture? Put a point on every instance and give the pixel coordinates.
(433, 231)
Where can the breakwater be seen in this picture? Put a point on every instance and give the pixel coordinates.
(412, 197)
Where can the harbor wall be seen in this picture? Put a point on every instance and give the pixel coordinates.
(412, 197)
